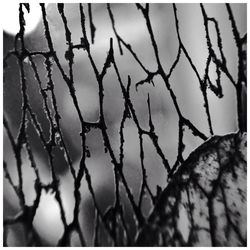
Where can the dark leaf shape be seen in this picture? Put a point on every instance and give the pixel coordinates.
(204, 204)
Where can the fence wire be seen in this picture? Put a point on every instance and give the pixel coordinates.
(113, 223)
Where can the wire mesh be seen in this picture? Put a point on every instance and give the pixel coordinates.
(207, 177)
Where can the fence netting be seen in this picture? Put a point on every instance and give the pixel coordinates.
(203, 201)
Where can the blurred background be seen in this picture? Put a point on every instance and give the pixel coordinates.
(131, 26)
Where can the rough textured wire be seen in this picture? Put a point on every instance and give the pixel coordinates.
(161, 228)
